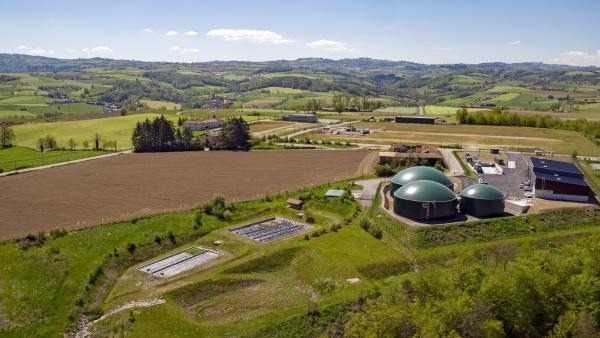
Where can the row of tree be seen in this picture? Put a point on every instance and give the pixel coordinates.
(346, 102)
(496, 117)
(49, 143)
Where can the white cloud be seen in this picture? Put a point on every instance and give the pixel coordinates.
(578, 58)
(171, 33)
(333, 46)
(190, 50)
(190, 33)
(148, 30)
(250, 35)
(443, 49)
(34, 51)
(98, 50)
(184, 50)
(514, 43)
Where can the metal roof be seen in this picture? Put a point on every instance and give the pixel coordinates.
(483, 192)
(560, 178)
(553, 166)
(425, 191)
(421, 173)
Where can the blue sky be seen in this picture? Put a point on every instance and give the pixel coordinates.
(424, 31)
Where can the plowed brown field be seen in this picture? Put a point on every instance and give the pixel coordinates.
(133, 185)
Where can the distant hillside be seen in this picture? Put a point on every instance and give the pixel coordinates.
(29, 63)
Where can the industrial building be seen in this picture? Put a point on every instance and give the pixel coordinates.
(204, 124)
(418, 173)
(482, 200)
(415, 119)
(558, 180)
(425, 200)
(307, 118)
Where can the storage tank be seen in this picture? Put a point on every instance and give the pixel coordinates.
(425, 200)
(482, 200)
(419, 173)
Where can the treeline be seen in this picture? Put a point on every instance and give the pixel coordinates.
(129, 92)
(496, 117)
(183, 81)
(161, 135)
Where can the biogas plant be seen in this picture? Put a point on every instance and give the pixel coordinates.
(423, 193)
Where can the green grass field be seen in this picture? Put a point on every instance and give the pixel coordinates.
(113, 128)
(21, 157)
(164, 105)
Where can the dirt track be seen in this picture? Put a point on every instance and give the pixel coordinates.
(132, 185)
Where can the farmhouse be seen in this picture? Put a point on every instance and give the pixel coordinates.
(415, 119)
(558, 180)
(204, 124)
(306, 118)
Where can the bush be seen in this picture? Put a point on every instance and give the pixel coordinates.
(227, 215)
(310, 218)
(198, 218)
(157, 239)
(383, 170)
(32, 240)
(56, 233)
(131, 247)
(172, 238)
(365, 224)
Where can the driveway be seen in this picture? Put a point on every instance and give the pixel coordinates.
(453, 165)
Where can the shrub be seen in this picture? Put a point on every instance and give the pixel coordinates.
(198, 217)
(227, 215)
(56, 233)
(32, 240)
(172, 238)
(131, 247)
(365, 224)
(383, 170)
(157, 239)
(310, 218)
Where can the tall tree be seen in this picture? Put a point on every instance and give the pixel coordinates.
(235, 134)
(7, 135)
(337, 103)
(72, 144)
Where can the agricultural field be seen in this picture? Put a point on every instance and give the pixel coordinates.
(117, 129)
(161, 105)
(472, 137)
(135, 185)
(21, 157)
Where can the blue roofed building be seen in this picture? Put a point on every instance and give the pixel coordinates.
(558, 180)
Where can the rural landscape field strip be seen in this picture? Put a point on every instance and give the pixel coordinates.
(135, 185)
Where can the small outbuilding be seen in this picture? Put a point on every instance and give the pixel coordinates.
(419, 173)
(425, 200)
(482, 200)
(295, 204)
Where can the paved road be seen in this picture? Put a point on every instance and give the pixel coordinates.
(369, 190)
(453, 164)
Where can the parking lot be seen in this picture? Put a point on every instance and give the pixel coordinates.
(511, 178)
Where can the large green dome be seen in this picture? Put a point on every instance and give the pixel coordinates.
(482, 192)
(425, 191)
(421, 173)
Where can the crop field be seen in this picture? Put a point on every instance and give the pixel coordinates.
(474, 137)
(161, 105)
(135, 185)
(113, 128)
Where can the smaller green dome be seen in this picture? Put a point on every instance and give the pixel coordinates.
(419, 173)
(482, 192)
(425, 191)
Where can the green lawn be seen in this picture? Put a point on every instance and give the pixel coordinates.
(21, 157)
(113, 128)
